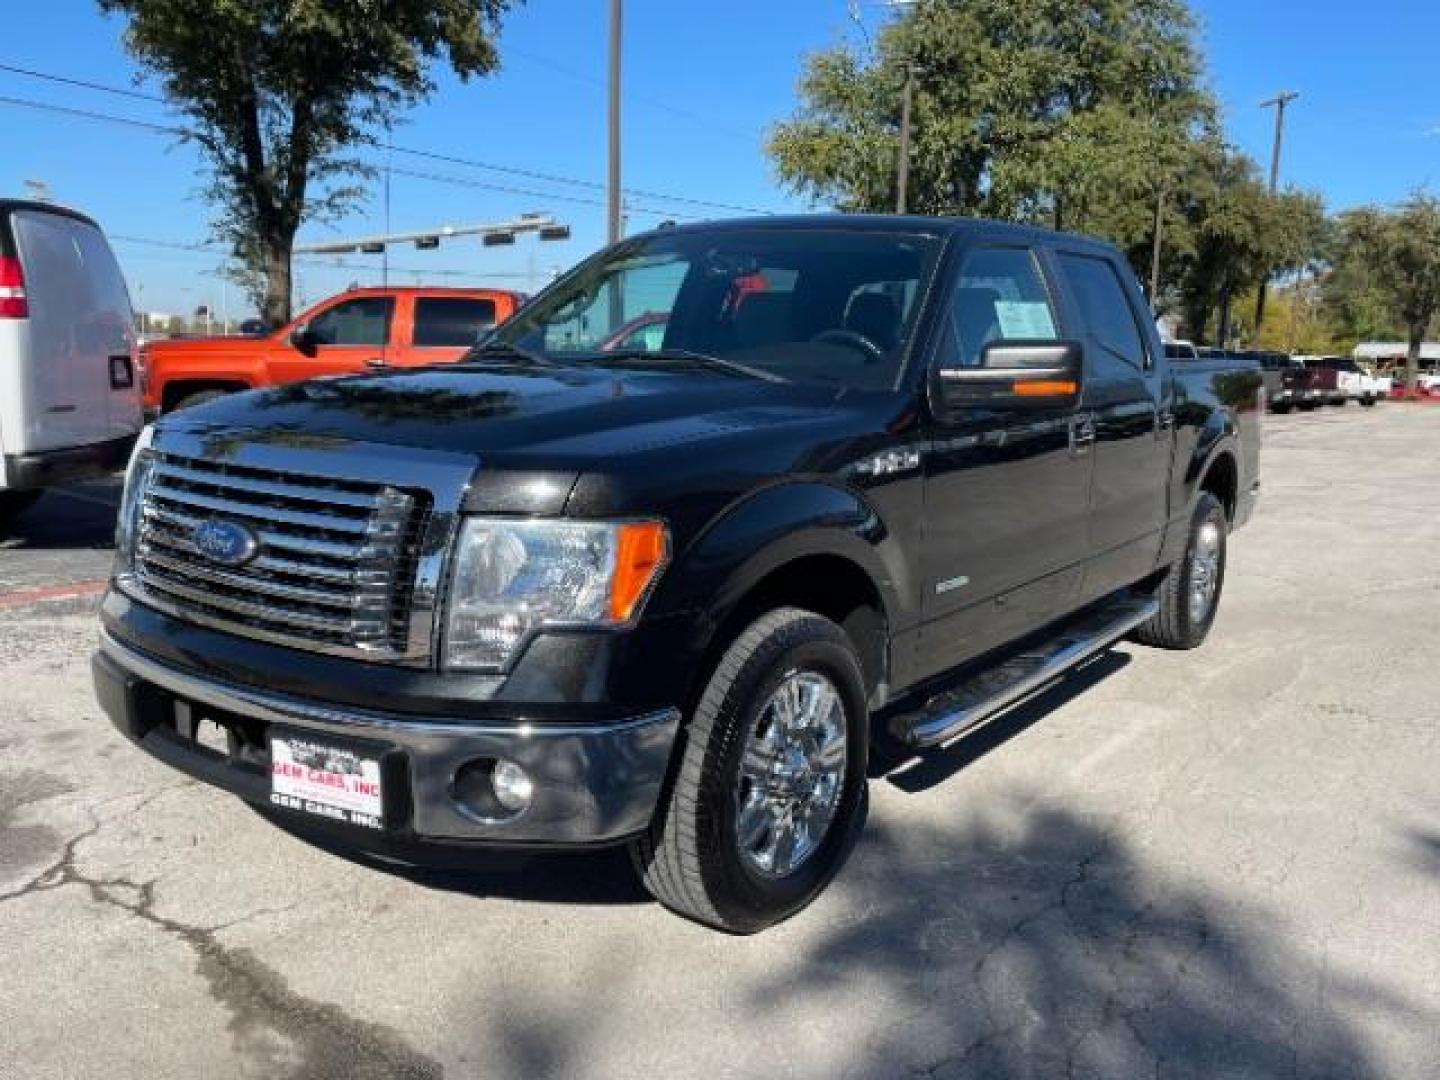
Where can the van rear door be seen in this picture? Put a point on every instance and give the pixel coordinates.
(76, 381)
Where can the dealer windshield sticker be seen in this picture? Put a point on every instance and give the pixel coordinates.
(1025, 319)
(326, 780)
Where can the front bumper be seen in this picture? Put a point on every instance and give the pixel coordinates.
(594, 783)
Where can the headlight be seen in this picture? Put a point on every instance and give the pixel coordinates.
(127, 524)
(513, 577)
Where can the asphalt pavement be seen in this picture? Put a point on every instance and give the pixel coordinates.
(1220, 863)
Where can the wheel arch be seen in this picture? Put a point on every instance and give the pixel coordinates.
(174, 392)
(814, 546)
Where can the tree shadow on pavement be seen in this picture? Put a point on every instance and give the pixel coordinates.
(1038, 945)
(1034, 944)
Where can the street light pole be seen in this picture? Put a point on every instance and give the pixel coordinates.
(613, 200)
(902, 165)
(1279, 102)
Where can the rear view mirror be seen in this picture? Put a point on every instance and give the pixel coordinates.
(1016, 374)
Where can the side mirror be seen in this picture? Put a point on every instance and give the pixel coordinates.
(1015, 374)
(302, 338)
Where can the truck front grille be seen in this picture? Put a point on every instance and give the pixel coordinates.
(333, 567)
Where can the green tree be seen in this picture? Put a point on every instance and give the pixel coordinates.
(1235, 234)
(1023, 109)
(280, 93)
(1399, 253)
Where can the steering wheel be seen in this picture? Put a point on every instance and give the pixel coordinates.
(873, 353)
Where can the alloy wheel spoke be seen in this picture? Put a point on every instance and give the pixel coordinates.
(791, 773)
(755, 817)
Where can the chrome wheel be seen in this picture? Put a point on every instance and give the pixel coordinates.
(1204, 571)
(792, 773)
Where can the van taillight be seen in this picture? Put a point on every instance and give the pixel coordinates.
(13, 304)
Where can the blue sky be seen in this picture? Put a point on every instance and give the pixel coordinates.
(703, 82)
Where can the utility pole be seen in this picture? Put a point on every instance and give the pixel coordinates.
(902, 165)
(614, 209)
(1279, 102)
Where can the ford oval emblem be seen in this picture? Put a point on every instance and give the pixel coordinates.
(225, 542)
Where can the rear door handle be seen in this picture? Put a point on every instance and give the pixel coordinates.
(1082, 433)
(376, 362)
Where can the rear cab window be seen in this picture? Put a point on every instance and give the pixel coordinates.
(452, 321)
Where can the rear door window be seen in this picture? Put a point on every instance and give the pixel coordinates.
(1105, 307)
(364, 320)
(452, 321)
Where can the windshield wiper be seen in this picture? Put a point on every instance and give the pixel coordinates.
(685, 357)
(503, 350)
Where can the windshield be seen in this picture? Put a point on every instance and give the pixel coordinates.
(828, 306)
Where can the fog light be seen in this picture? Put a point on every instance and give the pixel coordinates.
(513, 786)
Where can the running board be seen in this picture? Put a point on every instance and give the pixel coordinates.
(964, 705)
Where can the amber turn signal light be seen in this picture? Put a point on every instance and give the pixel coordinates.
(640, 554)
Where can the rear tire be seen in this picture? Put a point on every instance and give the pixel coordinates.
(1183, 620)
(704, 856)
(200, 397)
(1367, 402)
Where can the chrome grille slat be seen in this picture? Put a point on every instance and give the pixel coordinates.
(256, 512)
(269, 538)
(267, 488)
(278, 589)
(336, 565)
(336, 575)
(336, 625)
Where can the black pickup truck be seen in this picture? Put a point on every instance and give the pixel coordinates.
(878, 479)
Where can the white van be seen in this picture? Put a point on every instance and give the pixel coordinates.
(69, 398)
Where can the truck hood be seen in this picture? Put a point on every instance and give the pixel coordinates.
(208, 346)
(573, 417)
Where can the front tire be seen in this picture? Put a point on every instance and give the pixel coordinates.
(770, 781)
(1190, 593)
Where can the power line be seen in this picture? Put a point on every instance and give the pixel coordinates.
(530, 174)
(460, 181)
(90, 114)
(204, 249)
(83, 83)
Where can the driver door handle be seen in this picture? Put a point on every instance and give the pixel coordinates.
(377, 363)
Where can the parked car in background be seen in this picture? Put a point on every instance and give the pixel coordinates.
(358, 330)
(1287, 382)
(888, 476)
(1342, 380)
(69, 401)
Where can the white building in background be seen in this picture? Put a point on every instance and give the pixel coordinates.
(1391, 351)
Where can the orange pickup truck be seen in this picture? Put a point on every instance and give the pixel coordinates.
(352, 332)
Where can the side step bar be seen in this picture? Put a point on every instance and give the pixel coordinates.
(952, 711)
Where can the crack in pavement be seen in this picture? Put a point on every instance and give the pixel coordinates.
(278, 1032)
